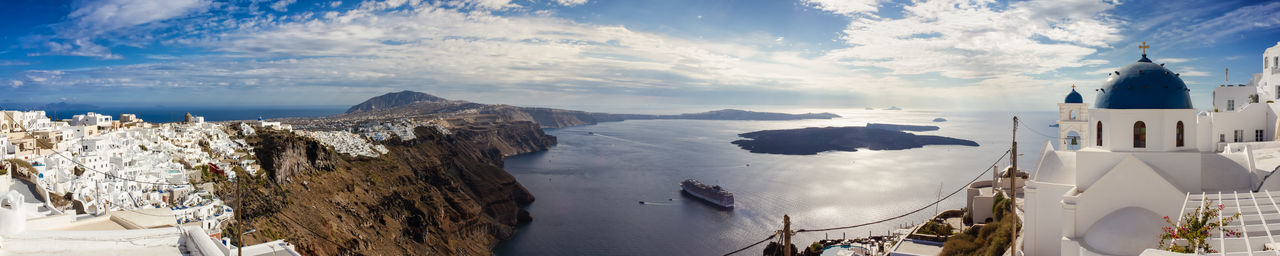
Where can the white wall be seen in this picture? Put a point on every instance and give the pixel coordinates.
(1249, 119)
(1116, 191)
(1117, 126)
(1240, 94)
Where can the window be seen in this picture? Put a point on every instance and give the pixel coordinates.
(1178, 138)
(1139, 135)
(1257, 135)
(1099, 133)
(1239, 136)
(1231, 105)
(1071, 114)
(1222, 137)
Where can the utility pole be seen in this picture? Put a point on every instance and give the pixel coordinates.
(240, 208)
(786, 235)
(1013, 190)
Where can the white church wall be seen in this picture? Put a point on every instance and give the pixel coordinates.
(1043, 228)
(1130, 184)
(1226, 172)
(1180, 168)
(1118, 128)
(1204, 134)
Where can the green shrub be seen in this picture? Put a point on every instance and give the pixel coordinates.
(988, 239)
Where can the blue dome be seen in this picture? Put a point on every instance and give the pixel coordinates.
(1143, 85)
(1074, 97)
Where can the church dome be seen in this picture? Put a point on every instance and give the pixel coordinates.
(1074, 97)
(1143, 85)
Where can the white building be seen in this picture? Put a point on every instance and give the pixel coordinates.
(91, 119)
(1139, 153)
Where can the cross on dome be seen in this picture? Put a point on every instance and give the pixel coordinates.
(1144, 47)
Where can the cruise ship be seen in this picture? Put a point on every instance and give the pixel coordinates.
(712, 194)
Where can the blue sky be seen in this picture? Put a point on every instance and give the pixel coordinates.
(615, 55)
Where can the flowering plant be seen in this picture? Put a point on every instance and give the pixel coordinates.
(1195, 228)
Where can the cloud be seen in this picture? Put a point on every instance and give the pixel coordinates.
(335, 4)
(89, 21)
(13, 63)
(15, 83)
(977, 40)
(484, 4)
(845, 7)
(1198, 32)
(1172, 60)
(283, 5)
(571, 2)
(480, 49)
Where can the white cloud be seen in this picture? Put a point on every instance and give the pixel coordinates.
(282, 5)
(963, 39)
(335, 4)
(1172, 60)
(483, 4)
(13, 63)
(464, 48)
(15, 83)
(571, 2)
(90, 20)
(845, 7)
(1255, 17)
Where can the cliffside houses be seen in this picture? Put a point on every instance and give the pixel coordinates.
(346, 142)
(91, 172)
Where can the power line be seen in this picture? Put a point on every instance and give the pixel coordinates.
(1028, 127)
(754, 244)
(962, 188)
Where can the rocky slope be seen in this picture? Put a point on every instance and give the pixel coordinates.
(392, 100)
(433, 195)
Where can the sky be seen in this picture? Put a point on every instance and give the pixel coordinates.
(616, 55)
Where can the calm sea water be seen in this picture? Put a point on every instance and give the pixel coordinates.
(211, 114)
(588, 187)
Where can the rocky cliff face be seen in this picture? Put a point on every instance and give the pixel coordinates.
(510, 138)
(434, 195)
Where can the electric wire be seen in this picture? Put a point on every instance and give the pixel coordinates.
(962, 188)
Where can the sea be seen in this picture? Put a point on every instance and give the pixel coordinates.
(589, 188)
(157, 114)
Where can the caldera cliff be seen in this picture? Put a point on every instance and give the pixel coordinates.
(436, 194)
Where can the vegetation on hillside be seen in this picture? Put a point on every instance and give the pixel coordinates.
(990, 239)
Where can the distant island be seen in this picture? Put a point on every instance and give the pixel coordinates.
(416, 104)
(65, 106)
(903, 127)
(813, 140)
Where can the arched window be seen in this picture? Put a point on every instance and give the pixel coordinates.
(1139, 135)
(1099, 134)
(1178, 138)
(1071, 114)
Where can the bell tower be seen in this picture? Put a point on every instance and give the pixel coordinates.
(1073, 121)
